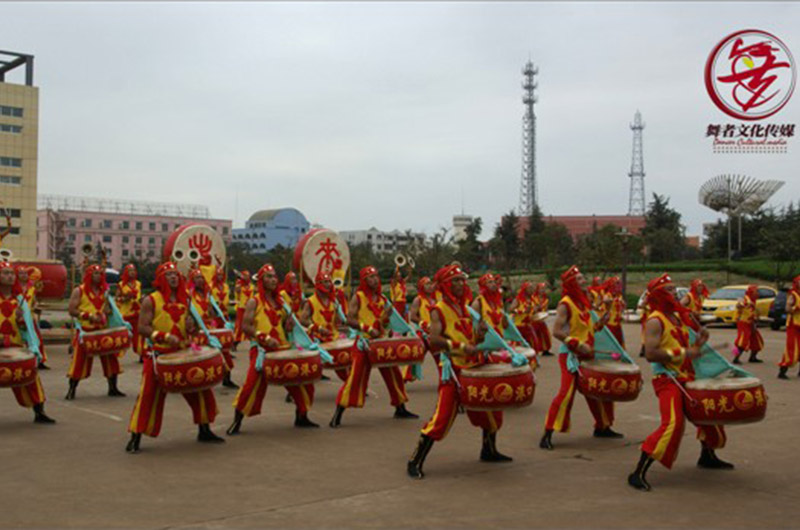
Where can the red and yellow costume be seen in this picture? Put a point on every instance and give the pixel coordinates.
(581, 331)
(664, 442)
(269, 321)
(129, 297)
(221, 292)
(616, 308)
(324, 315)
(170, 311)
(201, 298)
(291, 292)
(491, 304)
(697, 294)
(29, 291)
(747, 334)
(523, 311)
(92, 303)
(30, 395)
(398, 292)
(791, 355)
(426, 303)
(244, 292)
(541, 333)
(371, 307)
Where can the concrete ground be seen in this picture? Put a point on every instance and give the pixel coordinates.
(77, 474)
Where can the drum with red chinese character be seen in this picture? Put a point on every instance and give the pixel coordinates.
(106, 341)
(726, 400)
(224, 336)
(396, 351)
(608, 380)
(196, 245)
(292, 367)
(322, 250)
(340, 351)
(496, 387)
(17, 367)
(190, 370)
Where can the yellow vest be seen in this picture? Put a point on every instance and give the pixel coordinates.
(522, 313)
(270, 320)
(746, 313)
(324, 317)
(132, 306)
(458, 328)
(366, 315)
(673, 337)
(245, 294)
(492, 316)
(580, 322)
(88, 305)
(616, 307)
(793, 318)
(164, 321)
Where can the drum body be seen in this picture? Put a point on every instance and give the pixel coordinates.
(396, 351)
(496, 387)
(340, 350)
(17, 367)
(292, 367)
(610, 380)
(106, 341)
(190, 370)
(726, 400)
(224, 336)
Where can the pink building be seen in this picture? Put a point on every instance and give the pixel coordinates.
(128, 230)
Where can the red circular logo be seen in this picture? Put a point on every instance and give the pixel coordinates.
(750, 75)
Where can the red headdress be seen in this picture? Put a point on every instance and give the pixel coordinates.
(125, 277)
(16, 289)
(244, 279)
(494, 297)
(193, 274)
(752, 292)
(698, 288)
(218, 280)
(362, 281)
(260, 281)
(570, 287)
(522, 294)
(444, 280)
(87, 277)
(659, 299)
(319, 286)
(291, 286)
(613, 286)
(161, 285)
(421, 284)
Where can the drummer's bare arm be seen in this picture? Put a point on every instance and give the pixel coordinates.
(74, 302)
(790, 304)
(146, 318)
(352, 313)
(561, 331)
(653, 352)
(413, 313)
(685, 301)
(249, 319)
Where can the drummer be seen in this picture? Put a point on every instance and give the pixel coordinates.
(452, 332)
(221, 292)
(88, 305)
(129, 301)
(420, 314)
(29, 292)
(200, 296)
(166, 321)
(522, 308)
(748, 337)
(319, 315)
(398, 291)
(693, 300)
(574, 328)
(368, 312)
(291, 293)
(791, 355)
(489, 303)
(616, 308)
(541, 333)
(667, 347)
(242, 292)
(11, 320)
(267, 324)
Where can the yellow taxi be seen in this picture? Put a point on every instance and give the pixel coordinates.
(721, 305)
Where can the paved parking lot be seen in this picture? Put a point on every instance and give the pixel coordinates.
(77, 474)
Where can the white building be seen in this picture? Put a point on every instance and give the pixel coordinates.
(383, 242)
(460, 224)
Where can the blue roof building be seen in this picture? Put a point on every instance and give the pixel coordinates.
(267, 229)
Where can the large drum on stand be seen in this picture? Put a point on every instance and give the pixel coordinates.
(190, 370)
(609, 380)
(496, 387)
(726, 401)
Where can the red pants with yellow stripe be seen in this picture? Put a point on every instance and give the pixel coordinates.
(251, 395)
(149, 409)
(238, 332)
(354, 390)
(559, 414)
(791, 355)
(447, 409)
(541, 336)
(748, 337)
(80, 367)
(665, 441)
(137, 342)
(29, 395)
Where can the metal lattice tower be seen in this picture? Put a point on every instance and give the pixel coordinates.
(636, 200)
(527, 188)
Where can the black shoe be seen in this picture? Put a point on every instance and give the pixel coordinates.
(205, 435)
(73, 387)
(133, 443)
(403, 413)
(754, 359)
(39, 416)
(736, 360)
(236, 425)
(547, 440)
(641, 352)
(43, 366)
(113, 391)
(325, 378)
(414, 468)
(301, 420)
(607, 433)
(709, 460)
(489, 452)
(336, 421)
(289, 398)
(547, 354)
(141, 360)
(227, 383)
(638, 479)
(782, 373)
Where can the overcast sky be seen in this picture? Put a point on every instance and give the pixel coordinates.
(384, 114)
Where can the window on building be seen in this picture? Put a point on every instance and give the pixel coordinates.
(164, 227)
(176, 226)
(15, 112)
(125, 239)
(72, 221)
(8, 128)
(150, 253)
(224, 230)
(11, 181)
(152, 227)
(12, 212)
(86, 223)
(125, 253)
(138, 225)
(138, 239)
(107, 251)
(10, 161)
(107, 224)
(151, 240)
(139, 252)
(125, 225)
(87, 238)
(14, 230)
(72, 237)
(106, 239)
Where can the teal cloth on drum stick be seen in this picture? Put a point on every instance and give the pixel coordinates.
(228, 325)
(29, 334)
(493, 341)
(351, 333)
(212, 340)
(708, 366)
(605, 346)
(116, 319)
(512, 332)
(301, 339)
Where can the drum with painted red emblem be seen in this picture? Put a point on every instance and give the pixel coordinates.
(396, 351)
(726, 401)
(106, 341)
(608, 380)
(292, 367)
(496, 387)
(17, 367)
(190, 370)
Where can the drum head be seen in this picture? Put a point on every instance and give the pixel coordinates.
(613, 367)
(14, 353)
(541, 315)
(724, 383)
(287, 355)
(187, 356)
(322, 250)
(495, 370)
(339, 344)
(527, 352)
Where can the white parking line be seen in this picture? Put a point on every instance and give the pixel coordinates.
(90, 411)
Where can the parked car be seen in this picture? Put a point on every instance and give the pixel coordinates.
(721, 305)
(777, 311)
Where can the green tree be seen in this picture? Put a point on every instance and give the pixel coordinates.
(663, 233)
(506, 242)
(469, 250)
